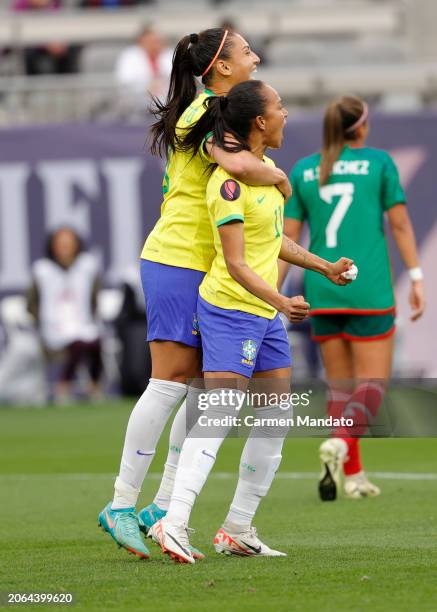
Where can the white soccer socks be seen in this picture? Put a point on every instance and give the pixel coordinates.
(125, 496)
(259, 462)
(199, 453)
(183, 422)
(146, 423)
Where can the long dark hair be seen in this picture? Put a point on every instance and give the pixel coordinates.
(191, 58)
(231, 114)
(340, 116)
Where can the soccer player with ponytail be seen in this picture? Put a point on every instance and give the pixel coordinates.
(344, 192)
(176, 255)
(242, 333)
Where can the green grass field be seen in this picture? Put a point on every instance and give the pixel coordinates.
(56, 473)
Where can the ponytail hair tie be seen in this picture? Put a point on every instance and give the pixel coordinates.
(194, 39)
(223, 100)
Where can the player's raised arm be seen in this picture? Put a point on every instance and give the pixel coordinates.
(295, 254)
(403, 233)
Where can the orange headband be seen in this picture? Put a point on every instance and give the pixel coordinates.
(225, 35)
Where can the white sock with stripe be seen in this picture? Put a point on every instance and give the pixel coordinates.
(259, 462)
(183, 422)
(146, 423)
(198, 457)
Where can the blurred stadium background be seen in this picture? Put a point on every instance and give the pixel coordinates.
(73, 125)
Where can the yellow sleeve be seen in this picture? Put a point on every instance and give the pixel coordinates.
(227, 201)
(203, 152)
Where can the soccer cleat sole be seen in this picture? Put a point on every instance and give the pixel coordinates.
(232, 553)
(137, 553)
(327, 486)
(174, 556)
(198, 556)
(221, 550)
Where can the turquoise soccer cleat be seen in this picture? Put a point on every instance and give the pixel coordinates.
(150, 515)
(123, 526)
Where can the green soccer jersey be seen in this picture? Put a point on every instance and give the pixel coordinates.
(346, 219)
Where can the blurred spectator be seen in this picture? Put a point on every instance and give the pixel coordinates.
(54, 57)
(63, 300)
(144, 66)
(110, 4)
(36, 5)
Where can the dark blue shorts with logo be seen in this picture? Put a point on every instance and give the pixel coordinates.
(171, 295)
(236, 341)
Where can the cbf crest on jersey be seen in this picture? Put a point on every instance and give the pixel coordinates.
(230, 190)
(249, 352)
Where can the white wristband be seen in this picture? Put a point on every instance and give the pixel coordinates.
(416, 274)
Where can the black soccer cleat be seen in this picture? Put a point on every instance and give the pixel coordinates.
(327, 486)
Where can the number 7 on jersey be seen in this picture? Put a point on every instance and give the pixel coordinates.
(345, 191)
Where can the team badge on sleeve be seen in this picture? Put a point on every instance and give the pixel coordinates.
(230, 190)
(249, 352)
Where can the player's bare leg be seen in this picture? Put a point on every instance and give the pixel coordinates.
(373, 360)
(175, 361)
(337, 359)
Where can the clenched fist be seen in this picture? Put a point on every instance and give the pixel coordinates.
(295, 308)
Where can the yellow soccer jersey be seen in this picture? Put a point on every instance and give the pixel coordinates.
(261, 209)
(182, 236)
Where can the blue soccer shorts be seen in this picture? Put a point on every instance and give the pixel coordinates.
(171, 296)
(236, 341)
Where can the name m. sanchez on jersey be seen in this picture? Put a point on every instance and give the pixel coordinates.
(342, 166)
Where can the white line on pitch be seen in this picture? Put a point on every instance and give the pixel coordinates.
(217, 475)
